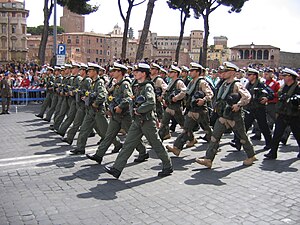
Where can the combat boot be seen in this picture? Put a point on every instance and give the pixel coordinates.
(174, 150)
(142, 158)
(249, 161)
(112, 171)
(165, 172)
(94, 157)
(192, 143)
(204, 162)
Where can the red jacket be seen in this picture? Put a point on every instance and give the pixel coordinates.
(25, 83)
(275, 86)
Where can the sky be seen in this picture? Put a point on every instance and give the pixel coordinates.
(263, 22)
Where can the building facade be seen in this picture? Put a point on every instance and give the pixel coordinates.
(265, 55)
(72, 22)
(218, 52)
(13, 28)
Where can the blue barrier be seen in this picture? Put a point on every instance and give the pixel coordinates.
(25, 95)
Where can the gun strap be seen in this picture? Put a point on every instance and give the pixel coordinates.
(223, 93)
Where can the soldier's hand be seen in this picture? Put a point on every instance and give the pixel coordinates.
(236, 108)
(160, 98)
(118, 109)
(83, 98)
(108, 113)
(200, 102)
(136, 113)
(174, 99)
(94, 105)
(263, 100)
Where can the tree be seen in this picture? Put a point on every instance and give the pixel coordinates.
(76, 6)
(39, 30)
(145, 31)
(126, 23)
(184, 7)
(204, 8)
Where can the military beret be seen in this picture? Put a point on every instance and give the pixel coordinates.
(184, 68)
(93, 66)
(174, 69)
(230, 66)
(252, 71)
(196, 66)
(155, 66)
(118, 66)
(288, 71)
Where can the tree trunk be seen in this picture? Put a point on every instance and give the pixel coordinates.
(44, 39)
(144, 35)
(125, 32)
(205, 40)
(182, 25)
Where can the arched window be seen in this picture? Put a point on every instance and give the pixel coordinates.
(259, 54)
(253, 54)
(266, 55)
(241, 54)
(3, 42)
(272, 57)
(246, 54)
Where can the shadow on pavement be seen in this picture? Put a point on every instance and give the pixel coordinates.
(65, 162)
(212, 176)
(109, 190)
(279, 166)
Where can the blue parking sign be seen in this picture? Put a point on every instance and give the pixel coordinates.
(61, 49)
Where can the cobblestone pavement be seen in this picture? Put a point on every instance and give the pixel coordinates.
(40, 183)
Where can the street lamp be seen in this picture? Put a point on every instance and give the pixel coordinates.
(252, 47)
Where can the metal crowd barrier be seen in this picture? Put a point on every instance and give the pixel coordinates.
(21, 96)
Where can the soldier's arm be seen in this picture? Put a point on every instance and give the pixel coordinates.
(162, 84)
(180, 86)
(127, 95)
(245, 94)
(209, 94)
(150, 100)
(100, 93)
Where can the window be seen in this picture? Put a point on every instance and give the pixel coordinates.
(77, 50)
(97, 40)
(100, 40)
(13, 14)
(13, 28)
(97, 60)
(77, 41)
(97, 52)
(14, 5)
(69, 41)
(259, 54)
(100, 52)
(266, 55)
(4, 14)
(3, 42)
(3, 29)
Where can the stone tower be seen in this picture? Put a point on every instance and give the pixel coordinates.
(72, 22)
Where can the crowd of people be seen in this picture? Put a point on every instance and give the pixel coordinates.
(150, 100)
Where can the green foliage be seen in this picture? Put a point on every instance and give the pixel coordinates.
(79, 6)
(39, 30)
(182, 5)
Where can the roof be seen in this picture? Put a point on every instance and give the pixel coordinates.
(255, 47)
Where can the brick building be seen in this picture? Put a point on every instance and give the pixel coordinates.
(72, 22)
(13, 28)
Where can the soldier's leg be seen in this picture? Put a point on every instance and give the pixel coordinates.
(101, 125)
(133, 138)
(204, 121)
(263, 125)
(70, 118)
(76, 124)
(280, 126)
(8, 104)
(164, 127)
(295, 127)
(61, 115)
(187, 134)
(85, 129)
(45, 104)
(217, 133)
(52, 108)
(239, 129)
(110, 135)
(58, 106)
(3, 104)
(179, 116)
(149, 130)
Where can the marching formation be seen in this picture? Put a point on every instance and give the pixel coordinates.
(149, 100)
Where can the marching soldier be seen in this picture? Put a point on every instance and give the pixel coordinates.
(73, 85)
(49, 81)
(143, 112)
(160, 88)
(118, 99)
(173, 97)
(256, 109)
(231, 97)
(288, 111)
(95, 115)
(84, 87)
(199, 94)
(6, 93)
